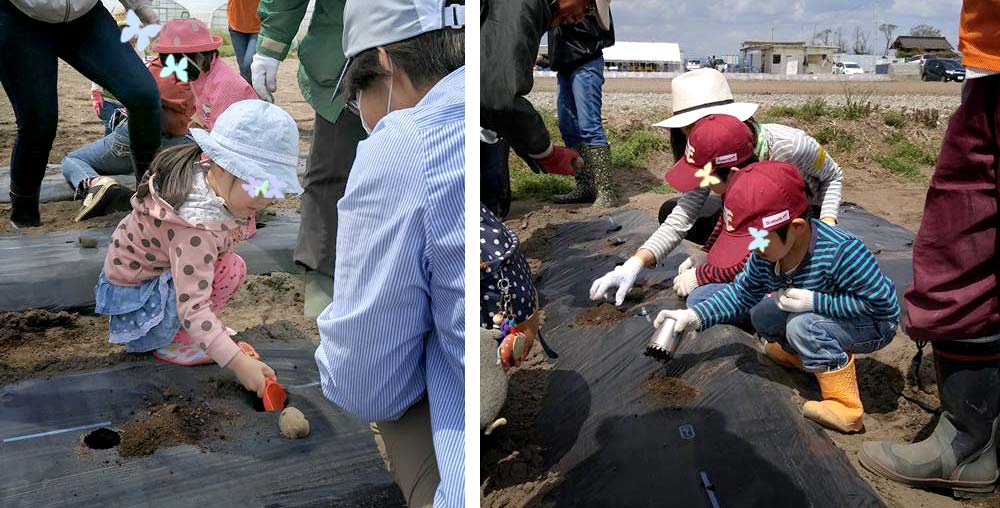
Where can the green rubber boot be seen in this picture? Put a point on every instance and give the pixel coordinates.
(584, 190)
(961, 453)
(604, 183)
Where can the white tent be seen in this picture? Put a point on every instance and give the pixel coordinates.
(652, 52)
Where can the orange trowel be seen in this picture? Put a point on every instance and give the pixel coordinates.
(274, 396)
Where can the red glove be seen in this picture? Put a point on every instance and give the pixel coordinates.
(97, 99)
(562, 161)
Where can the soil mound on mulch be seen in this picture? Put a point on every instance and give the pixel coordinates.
(172, 423)
(604, 314)
(670, 391)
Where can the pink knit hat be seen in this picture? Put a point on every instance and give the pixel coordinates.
(186, 36)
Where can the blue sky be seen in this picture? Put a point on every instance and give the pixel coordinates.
(705, 27)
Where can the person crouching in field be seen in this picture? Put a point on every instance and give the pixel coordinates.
(171, 264)
(194, 97)
(828, 297)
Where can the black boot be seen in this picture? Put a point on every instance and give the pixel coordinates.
(24, 211)
(584, 191)
(961, 454)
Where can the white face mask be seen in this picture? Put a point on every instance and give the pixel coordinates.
(388, 103)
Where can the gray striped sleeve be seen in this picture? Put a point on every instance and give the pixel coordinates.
(677, 224)
(818, 169)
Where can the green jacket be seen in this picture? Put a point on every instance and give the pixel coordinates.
(321, 55)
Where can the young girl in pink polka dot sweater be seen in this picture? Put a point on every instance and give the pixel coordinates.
(171, 264)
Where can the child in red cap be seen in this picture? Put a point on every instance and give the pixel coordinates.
(829, 299)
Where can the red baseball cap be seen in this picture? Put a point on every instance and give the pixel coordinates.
(720, 140)
(766, 195)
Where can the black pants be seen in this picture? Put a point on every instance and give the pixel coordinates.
(494, 186)
(331, 156)
(707, 218)
(29, 54)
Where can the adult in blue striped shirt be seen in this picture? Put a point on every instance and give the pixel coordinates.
(828, 297)
(392, 345)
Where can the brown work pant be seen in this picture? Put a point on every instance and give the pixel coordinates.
(407, 447)
(331, 156)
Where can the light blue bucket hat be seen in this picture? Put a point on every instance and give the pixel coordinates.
(254, 139)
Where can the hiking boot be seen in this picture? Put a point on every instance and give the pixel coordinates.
(604, 183)
(841, 407)
(104, 196)
(777, 354)
(584, 190)
(24, 211)
(961, 453)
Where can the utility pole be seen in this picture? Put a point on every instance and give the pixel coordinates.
(874, 36)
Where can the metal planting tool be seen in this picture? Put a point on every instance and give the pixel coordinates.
(664, 341)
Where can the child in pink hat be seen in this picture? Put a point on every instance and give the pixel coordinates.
(216, 86)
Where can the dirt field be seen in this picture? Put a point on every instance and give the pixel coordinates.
(895, 409)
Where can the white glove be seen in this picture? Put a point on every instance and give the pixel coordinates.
(693, 261)
(264, 75)
(622, 277)
(687, 320)
(685, 283)
(148, 15)
(794, 300)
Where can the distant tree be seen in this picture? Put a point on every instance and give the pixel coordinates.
(822, 37)
(861, 38)
(839, 41)
(925, 31)
(887, 30)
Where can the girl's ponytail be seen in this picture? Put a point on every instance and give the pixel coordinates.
(172, 171)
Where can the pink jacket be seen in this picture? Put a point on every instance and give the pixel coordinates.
(217, 90)
(153, 238)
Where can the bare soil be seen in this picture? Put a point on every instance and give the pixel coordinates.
(628, 85)
(166, 424)
(668, 391)
(604, 314)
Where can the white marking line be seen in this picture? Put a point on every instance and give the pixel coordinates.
(307, 385)
(54, 432)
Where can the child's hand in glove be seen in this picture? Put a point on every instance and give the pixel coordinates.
(693, 261)
(251, 373)
(685, 283)
(794, 300)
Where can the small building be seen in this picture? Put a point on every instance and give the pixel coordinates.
(786, 57)
(909, 45)
(639, 57)
(644, 57)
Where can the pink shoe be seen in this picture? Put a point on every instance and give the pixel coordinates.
(182, 351)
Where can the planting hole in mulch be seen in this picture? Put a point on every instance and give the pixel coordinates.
(604, 314)
(670, 391)
(102, 439)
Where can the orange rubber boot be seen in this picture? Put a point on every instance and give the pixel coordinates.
(777, 354)
(841, 407)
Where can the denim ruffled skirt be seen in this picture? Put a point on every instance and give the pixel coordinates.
(144, 318)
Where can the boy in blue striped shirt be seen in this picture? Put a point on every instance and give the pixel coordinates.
(822, 295)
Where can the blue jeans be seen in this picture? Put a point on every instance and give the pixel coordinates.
(90, 44)
(109, 155)
(245, 46)
(107, 109)
(823, 342)
(579, 104)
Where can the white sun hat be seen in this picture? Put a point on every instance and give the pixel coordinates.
(254, 139)
(703, 92)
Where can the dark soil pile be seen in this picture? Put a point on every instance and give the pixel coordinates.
(172, 423)
(511, 465)
(604, 314)
(670, 391)
(15, 326)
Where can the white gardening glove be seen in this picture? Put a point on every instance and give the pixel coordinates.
(685, 283)
(264, 75)
(794, 300)
(693, 261)
(687, 320)
(148, 15)
(622, 277)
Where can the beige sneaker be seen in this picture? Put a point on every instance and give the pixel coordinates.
(104, 196)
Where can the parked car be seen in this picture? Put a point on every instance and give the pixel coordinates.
(847, 68)
(941, 69)
(693, 64)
